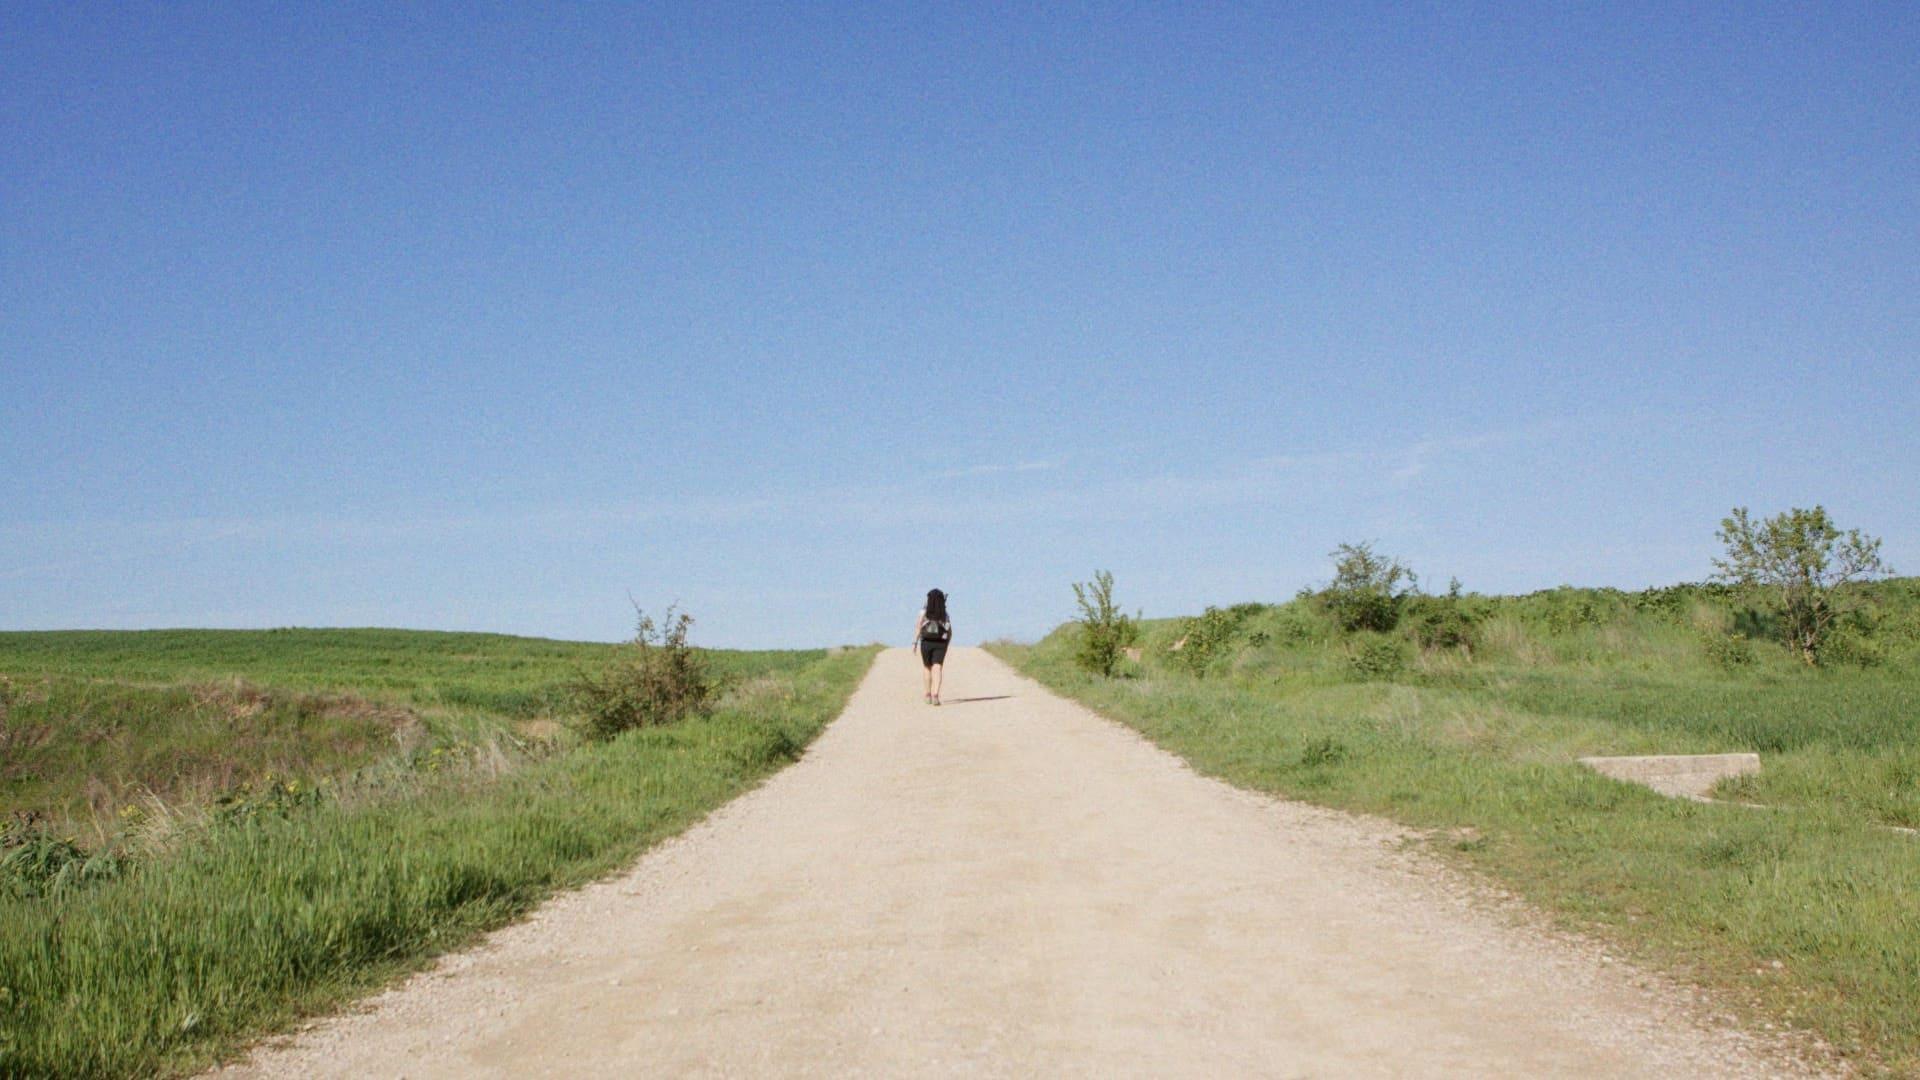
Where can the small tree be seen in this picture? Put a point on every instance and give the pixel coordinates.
(1368, 588)
(1105, 631)
(658, 678)
(1803, 559)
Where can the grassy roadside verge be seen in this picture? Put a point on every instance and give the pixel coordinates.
(1808, 916)
(282, 914)
(111, 736)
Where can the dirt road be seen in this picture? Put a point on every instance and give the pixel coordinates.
(1010, 886)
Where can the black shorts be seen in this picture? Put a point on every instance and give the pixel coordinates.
(933, 652)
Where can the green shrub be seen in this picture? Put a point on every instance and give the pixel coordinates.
(1729, 651)
(1377, 658)
(1207, 636)
(659, 679)
(1896, 614)
(1301, 622)
(1675, 602)
(1566, 608)
(1851, 646)
(1444, 622)
(1105, 631)
(1368, 589)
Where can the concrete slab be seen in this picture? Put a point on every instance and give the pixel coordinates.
(1683, 776)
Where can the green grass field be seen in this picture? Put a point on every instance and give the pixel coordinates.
(267, 823)
(1807, 914)
(420, 668)
(102, 724)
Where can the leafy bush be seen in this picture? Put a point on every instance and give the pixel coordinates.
(1206, 637)
(1377, 658)
(1299, 623)
(1877, 629)
(1675, 602)
(1445, 622)
(1896, 613)
(1729, 651)
(1853, 647)
(1445, 628)
(1368, 589)
(1105, 631)
(1566, 608)
(658, 679)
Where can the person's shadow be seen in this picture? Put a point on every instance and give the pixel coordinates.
(964, 700)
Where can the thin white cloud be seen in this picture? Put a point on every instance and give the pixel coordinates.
(69, 547)
(1419, 456)
(994, 470)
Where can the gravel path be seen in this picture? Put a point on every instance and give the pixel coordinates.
(1009, 885)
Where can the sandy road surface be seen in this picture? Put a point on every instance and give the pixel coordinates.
(1010, 886)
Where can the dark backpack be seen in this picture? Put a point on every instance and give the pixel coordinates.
(936, 630)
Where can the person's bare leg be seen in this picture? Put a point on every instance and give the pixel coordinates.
(933, 679)
(926, 679)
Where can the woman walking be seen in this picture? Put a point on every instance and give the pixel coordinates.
(930, 635)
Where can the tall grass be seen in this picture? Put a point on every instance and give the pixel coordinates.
(267, 917)
(1807, 915)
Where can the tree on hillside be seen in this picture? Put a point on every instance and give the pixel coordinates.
(1105, 630)
(1368, 589)
(1804, 560)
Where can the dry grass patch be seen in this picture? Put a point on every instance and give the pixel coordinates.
(88, 755)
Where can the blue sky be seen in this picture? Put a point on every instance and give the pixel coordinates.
(478, 317)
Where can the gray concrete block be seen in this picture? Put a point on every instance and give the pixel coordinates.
(1683, 776)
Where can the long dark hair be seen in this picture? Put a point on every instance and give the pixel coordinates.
(937, 605)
